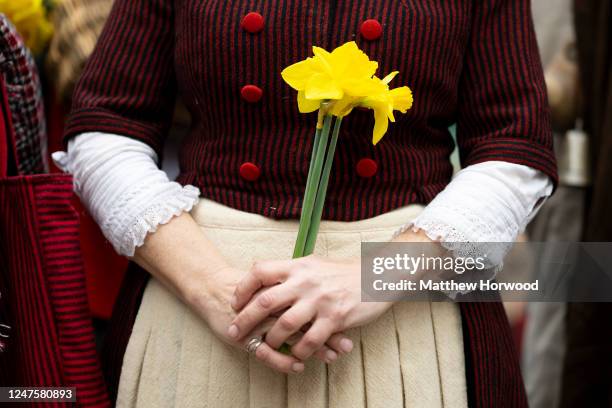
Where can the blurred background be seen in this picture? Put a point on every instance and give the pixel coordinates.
(566, 349)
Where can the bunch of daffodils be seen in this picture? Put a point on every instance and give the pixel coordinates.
(334, 83)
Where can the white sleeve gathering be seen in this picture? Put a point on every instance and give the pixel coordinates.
(488, 203)
(118, 180)
(485, 202)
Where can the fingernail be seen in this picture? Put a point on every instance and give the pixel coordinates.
(346, 345)
(331, 355)
(232, 331)
(234, 301)
(297, 367)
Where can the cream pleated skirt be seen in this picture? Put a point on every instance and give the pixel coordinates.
(412, 356)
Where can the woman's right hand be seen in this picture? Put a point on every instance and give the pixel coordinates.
(213, 305)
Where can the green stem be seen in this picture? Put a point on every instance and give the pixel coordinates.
(315, 147)
(312, 184)
(311, 239)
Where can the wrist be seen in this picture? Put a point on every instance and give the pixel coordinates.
(209, 290)
(202, 280)
(413, 235)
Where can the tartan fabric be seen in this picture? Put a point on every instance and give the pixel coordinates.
(25, 100)
(475, 63)
(42, 283)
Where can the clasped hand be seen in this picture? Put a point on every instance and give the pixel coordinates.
(315, 296)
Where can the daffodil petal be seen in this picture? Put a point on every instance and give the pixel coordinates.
(348, 52)
(347, 47)
(296, 75)
(362, 88)
(343, 106)
(321, 86)
(390, 77)
(321, 52)
(381, 124)
(349, 60)
(307, 105)
(323, 59)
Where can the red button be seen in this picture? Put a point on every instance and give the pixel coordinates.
(366, 168)
(249, 171)
(371, 29)
(252, 22)
(251, 93)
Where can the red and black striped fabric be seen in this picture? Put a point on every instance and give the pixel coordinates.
(474, 63)
(42, 283)
(493, 373)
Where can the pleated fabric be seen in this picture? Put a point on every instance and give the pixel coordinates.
(411, 356)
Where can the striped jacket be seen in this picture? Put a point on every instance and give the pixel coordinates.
(474, 63)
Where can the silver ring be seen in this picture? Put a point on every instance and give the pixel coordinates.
(7, 328)
(253, 344)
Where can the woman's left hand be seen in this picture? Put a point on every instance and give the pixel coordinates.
(319, 292)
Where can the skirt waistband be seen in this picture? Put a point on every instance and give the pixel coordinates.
(211, 214)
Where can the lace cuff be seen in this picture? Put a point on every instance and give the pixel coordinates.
(481, 212)
(437, 224)
(127, 237)
(118, 181)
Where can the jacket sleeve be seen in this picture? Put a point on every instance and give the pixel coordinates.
(503, 111)
(128, 85)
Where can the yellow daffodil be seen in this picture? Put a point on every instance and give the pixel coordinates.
(334, 83)
(30, 19)
(384, 102)
(344, 78)
(345, 72)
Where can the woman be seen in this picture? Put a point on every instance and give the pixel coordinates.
(473, 63)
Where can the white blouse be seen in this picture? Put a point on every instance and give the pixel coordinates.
(118, 180)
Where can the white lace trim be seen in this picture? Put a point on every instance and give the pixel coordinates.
(480, 214)
(155, 215)
(460, 245)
